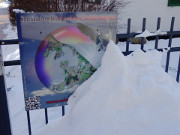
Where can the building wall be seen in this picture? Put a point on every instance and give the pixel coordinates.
(150, 9)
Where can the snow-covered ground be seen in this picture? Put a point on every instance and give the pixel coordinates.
(127, 95)
(4, 4)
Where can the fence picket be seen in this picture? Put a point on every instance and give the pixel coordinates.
(169, 44)
(128, 33)
(29, 123)
(143, 29)
(157, 37)
(171, 31)
(63, 110)
(178, 72)
(46, 115)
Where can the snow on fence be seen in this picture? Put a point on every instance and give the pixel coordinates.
(4, 115)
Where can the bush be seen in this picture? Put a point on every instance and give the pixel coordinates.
(62, 6)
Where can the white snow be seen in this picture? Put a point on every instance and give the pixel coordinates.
(150, 9)
(4, 4)
(11, 32)
(18, 11)
(21, 11)
(127, 95)
(159, 32)
(146, 33)
(162, 43)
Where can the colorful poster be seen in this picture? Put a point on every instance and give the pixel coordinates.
(59, 51)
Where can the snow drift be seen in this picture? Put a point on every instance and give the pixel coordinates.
(126, 96)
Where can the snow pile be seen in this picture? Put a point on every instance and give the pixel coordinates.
(126, 96)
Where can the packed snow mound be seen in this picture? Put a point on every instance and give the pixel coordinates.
(129, 95)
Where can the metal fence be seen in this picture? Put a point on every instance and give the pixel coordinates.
(169, 34)
(4, 115)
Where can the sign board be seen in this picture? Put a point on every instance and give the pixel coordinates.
(59, 51)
